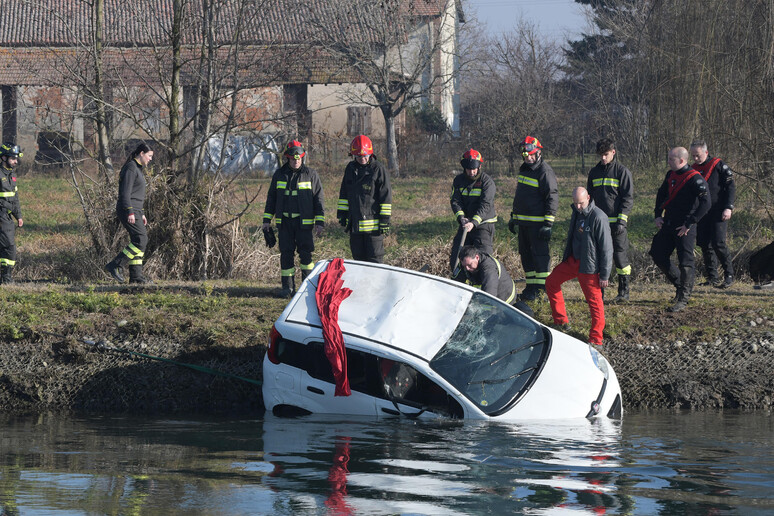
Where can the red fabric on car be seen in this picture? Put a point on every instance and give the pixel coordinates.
(329, 296)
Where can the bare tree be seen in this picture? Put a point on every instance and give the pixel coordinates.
(514, 92)
(399, 50)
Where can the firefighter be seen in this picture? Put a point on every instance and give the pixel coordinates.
(534, 210)
(712, 228)
(129, 210)
(472, 201)
(487, 273)
(11, 209)
(365, 202)
(611, 189)
(295, 201)
(682, 200)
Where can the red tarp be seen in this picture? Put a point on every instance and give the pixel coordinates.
(329, 296)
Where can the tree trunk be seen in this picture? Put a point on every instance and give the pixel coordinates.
(392, 145)
(103, 139)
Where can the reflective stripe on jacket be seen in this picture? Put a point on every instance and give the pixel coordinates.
(305, 188)
(474, 198)
(612, 190)
(537, 196)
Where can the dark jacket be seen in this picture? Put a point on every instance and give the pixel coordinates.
(303, 184)
(720, 182)
(474, 198)
(537, 197)
(131, 189)
(596, 243)
(690, 203)
(365, 197)
(9, 192)
(611, 189)
(491, 277)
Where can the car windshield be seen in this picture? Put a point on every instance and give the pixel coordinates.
(493, 356)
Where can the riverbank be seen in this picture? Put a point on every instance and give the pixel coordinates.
(79, 348)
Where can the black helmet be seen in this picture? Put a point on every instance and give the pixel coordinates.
(10, 149)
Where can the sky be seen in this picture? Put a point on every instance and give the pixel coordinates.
(558, 19)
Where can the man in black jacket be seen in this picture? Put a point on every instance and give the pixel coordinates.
(472, 201)
(11, 209)
(295, 201)
(487, 273)
(588, 256)
(611, 189)
(365, 202)
(534, 210)
(682, 200)
(712, 228)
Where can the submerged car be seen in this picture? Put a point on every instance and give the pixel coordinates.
(420, 345)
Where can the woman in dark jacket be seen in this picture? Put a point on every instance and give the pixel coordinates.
(129, 210)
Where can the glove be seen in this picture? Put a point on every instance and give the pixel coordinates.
(462, 220)
(269, 237)
(512, 226)
(343, 221)
(545, 233)
(384, 229)
(619, 229)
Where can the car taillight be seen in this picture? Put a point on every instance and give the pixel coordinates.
(274, 338)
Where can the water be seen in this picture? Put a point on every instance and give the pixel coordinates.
(704, 463)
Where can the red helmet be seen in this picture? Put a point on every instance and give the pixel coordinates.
(530, 145)
(471, 159)
(295, 150)
(361, 146)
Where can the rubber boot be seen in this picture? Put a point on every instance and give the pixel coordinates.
(116, 267)
(623, 289)
(288, 286)
(304, 274)
(6, 274)
(136, 276)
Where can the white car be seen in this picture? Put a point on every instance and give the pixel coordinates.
(419, 345)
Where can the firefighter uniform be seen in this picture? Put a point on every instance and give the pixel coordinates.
(683, 199)
(492, 277)
(612, 191)
(472, 199)
(131, 199)
(534, 211)
(10, 214)
(711, 229)
(364, 208)
(295, 201)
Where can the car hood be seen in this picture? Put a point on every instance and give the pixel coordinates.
(405, 309)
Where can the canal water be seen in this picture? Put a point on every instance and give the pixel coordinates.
(649, 463)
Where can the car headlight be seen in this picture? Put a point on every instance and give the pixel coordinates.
(600, 362)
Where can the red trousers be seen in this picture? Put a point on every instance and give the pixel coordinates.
(589, 283)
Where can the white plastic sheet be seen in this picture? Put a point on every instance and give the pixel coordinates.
(253, 153)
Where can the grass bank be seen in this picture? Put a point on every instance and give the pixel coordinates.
(65, 314)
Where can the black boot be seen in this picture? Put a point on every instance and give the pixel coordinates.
(136, 276)
(288, 286)
(6, 274)
(115, 268)
(623, 289)
(305, 273)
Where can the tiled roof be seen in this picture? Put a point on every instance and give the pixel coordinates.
(68, 23)
(134, 67)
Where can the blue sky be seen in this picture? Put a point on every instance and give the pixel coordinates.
(558, 19)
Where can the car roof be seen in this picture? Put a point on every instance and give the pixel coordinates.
(405, 309)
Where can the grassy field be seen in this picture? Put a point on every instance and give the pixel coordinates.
(53, 243)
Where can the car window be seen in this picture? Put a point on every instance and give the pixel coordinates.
(379, 377)
(493, 356)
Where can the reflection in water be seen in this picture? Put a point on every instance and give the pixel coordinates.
(647, 464)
